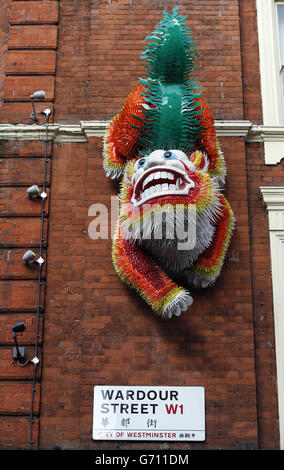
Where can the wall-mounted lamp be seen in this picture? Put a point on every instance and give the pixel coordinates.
(34, 192)
(18, 352)
(30, 258)
(37, 95)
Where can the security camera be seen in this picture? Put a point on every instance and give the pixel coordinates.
(29, 257)
(47, 113)
(33, 192)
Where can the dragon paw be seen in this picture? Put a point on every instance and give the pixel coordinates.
(178, 304)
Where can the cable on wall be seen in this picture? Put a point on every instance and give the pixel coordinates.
(40, 307)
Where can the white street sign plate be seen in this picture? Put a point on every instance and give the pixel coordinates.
(148, 413)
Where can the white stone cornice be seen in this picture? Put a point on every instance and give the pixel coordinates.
(273, 140)
(69, 133)
(232, 128)
(27, 132)
(86, 129)
(260, 133)
(94, 128)
(56, 132)
(273, 197)
(271, 136)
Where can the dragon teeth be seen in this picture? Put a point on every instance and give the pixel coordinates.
(178, 183)
(148, 179)
(170, 186)
(158, 175)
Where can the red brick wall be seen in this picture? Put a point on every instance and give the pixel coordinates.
(96, 330)
(250, 61)
(31, 58)
(21, 166)
(29, 62)
(4, 33)
(100, 45)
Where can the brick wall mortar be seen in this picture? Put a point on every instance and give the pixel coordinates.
(15, 398)
(16, 431)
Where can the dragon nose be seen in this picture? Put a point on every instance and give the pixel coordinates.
(154, 161)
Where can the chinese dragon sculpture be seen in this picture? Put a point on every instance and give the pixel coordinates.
(163, 144)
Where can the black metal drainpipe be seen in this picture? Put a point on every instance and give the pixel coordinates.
(39, 307)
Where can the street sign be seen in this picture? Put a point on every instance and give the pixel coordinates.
(148, 413)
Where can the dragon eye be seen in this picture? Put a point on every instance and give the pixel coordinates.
(168, 154)
(141, 162)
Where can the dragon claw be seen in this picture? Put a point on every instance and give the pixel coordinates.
(178, 304)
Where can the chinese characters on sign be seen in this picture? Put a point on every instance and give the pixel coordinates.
(149, 413)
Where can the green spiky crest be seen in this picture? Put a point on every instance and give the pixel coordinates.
(171, 118)
(171, 54)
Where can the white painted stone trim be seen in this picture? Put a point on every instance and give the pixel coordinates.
(61, 133)
(232, 128)
(273, 140)
(56, 132)
(271, 136)
(94, 128)
(261, 133)
(270, 62)
(271, 86)
(86, 129)
(273, 198)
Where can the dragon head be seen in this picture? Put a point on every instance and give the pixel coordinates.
(161, 173)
